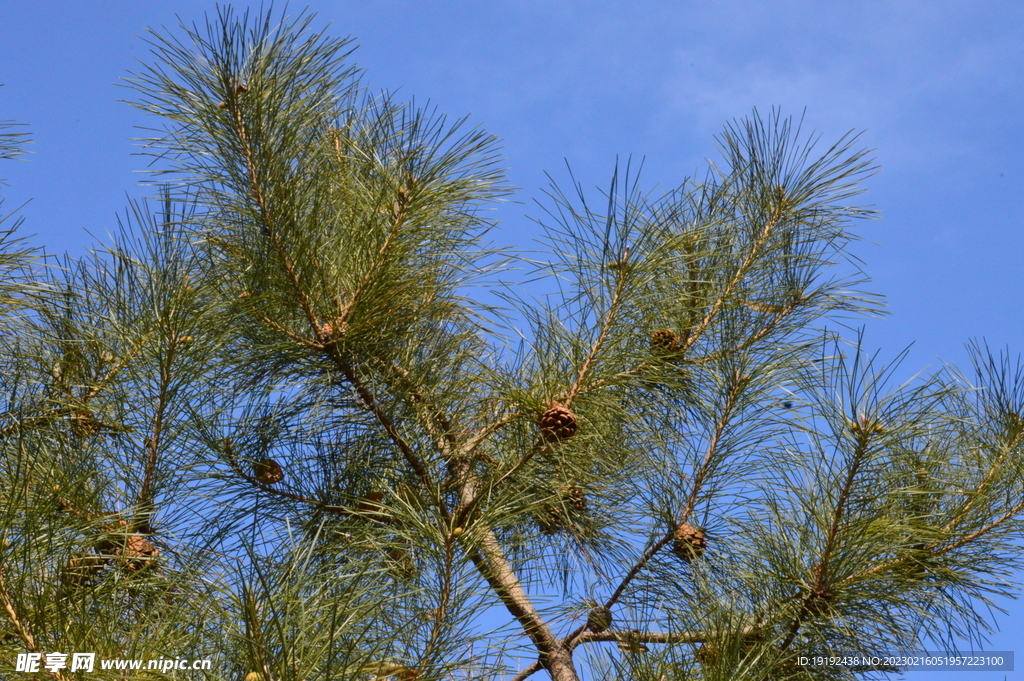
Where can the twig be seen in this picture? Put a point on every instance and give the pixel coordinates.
(528, 672)
(606, 325)
(821, 569)
(696, 332)
(371, 403)
(656, 636)
(22, 629)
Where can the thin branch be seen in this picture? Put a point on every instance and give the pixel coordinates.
(938, 550)
(644, 366)
(485, 432)
(1015, 510)
(441, 612)
(256, 189)
(821, 569)
(655, 636)
(83, 399)
(741, 271)
(319, 505)
(152, 443)
(346, 368)
(445, 436)
(398, 219)
(595, 349)
(528, 672)
(371, 403)
(22, 628)
(294, 336)
(962, 514)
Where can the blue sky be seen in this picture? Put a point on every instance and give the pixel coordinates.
(936, 87)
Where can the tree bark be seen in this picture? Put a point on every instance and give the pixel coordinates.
(560, 664)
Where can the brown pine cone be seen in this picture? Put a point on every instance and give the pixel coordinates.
(138, 552)
(599, 619)
(551, 521)
(369, 507)
(558, 422)
(574, 497)
(664, 342)
(688, 542)
(268, 471)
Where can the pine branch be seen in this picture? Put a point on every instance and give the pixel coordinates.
(398, 219)
(983, 485)
(84, 399)
(741, 271)
(371, 403)
(142, 520)
(698, 483)
(657, 636)
(441, 612)
(528, 672)
(21, 627)
(819, 591)
(495, 568)
(284, 494)
(595, 348)
(295, 337)
(268, 222)
(436, 422)
(479, 437)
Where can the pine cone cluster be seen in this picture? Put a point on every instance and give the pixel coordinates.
(558, 422)
(134, 551)
(688, 542)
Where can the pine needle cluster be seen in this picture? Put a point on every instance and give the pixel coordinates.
(282, 423)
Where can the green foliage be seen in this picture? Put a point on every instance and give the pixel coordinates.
(280, 423)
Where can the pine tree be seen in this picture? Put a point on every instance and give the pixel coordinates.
(282, 423)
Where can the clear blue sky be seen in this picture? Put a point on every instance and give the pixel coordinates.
(937, 86)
